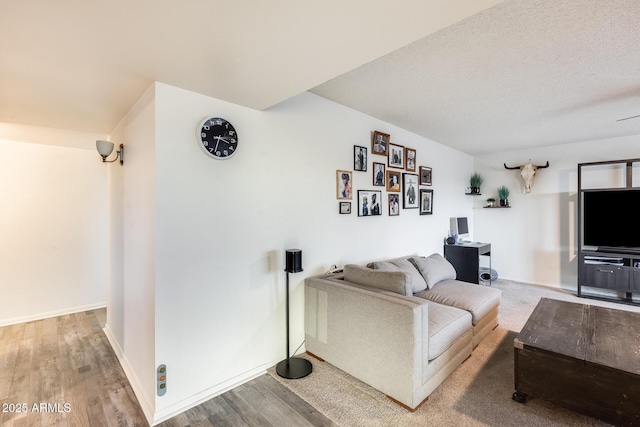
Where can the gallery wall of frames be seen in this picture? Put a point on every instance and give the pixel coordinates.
(397, 182)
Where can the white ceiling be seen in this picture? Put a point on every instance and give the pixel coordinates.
(478, 75)
(519, 75)
(78, 64)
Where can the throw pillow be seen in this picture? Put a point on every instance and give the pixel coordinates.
(434, 269)
(393, 281)
(418, 283)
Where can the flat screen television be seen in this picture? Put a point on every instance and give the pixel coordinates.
(611, 219)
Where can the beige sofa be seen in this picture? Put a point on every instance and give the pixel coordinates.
(401, 326)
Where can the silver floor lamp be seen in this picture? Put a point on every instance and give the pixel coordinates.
(293, 367)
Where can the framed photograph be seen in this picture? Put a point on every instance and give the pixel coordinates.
(369, 202)
(426, 202)
(410, 159)
(395, 156)
(394, 205)
(393, 181)
(425, 175)
(379, 143)
(343, 184)
(410, 191)
(359, 158)
(345, 208)
(378, 174)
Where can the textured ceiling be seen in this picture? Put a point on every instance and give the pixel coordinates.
(518, 75)
(478, 75)
(81, 65)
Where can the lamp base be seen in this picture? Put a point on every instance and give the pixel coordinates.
(294, 368)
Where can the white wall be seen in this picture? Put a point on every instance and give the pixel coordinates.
(53, 223)
(222, 228)
(132, 209)
(535, 241)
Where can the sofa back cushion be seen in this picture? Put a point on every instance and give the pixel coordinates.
(418, 284)
(392, 281)
(434, 269)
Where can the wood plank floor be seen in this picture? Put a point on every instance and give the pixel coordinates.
(260, 402)
(63, 372)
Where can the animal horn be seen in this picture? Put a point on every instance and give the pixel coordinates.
(507, 167)
(545, 166)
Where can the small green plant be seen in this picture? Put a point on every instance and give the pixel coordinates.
(476, 180)
(503, 192)
(491, 200)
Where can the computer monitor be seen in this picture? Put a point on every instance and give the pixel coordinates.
(459, 227)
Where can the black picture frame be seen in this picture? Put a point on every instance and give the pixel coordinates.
(378, 174)
(426, 202)
(410, 192)
(359, 158)
(344, 208)
(394, 204)
(369, 202)
(426, 175)
(395, 156)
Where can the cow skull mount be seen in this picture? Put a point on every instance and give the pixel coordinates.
(527, 172)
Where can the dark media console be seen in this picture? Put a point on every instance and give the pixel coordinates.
(614, 271)
(607, 261)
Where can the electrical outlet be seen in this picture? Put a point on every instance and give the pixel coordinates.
(161, 375)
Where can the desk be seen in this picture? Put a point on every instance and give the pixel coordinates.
(465, 258)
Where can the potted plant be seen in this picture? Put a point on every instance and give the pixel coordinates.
(475, 182)
(503, 194)
(490, 202)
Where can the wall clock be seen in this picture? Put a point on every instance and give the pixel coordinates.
(217, 137)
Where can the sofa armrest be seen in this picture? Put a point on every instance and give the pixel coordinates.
(380, 338)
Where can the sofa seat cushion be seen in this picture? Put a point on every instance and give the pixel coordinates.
(477, 300)
(393, 281)
(417, 281)
(446, 325)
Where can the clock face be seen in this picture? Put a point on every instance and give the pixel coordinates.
(217, 137)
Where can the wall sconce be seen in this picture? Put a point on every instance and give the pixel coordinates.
(105, 148)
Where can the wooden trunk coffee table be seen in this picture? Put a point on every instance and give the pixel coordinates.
(583, 357)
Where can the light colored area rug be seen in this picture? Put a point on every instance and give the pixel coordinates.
(478, 393)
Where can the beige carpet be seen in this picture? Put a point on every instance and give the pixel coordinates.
(478, 393)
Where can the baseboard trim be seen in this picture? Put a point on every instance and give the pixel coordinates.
(156, 417)
(408, 408)
(314, 356)
(49, 314)
(146, 406)
(197, 399)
